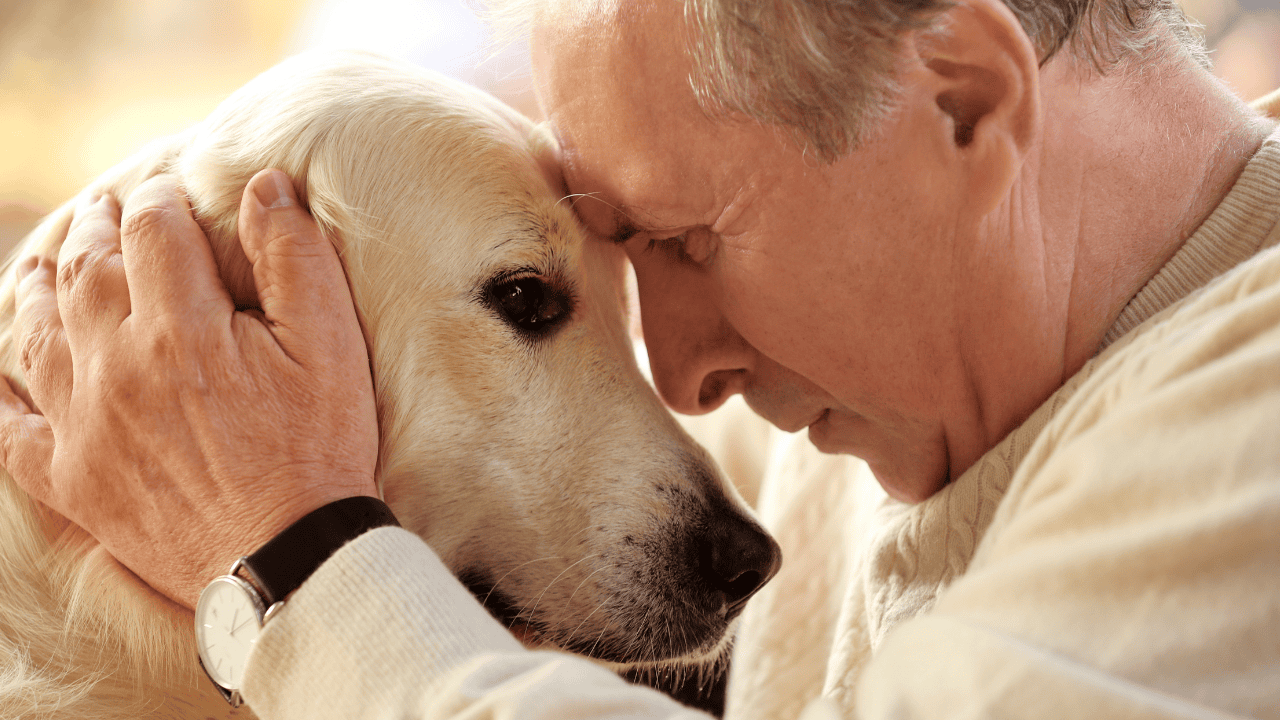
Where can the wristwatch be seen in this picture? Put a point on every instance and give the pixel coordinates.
(234, 607)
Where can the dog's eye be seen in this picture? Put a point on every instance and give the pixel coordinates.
(529, 303)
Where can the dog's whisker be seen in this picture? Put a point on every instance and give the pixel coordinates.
(569, 602)
(596, 644)
(593, 612)
(575, 197)
(557, 577)
(485, 600)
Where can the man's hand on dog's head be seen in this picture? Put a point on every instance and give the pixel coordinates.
(179, 432)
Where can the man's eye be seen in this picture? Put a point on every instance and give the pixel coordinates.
(673, 246)
(695, 247)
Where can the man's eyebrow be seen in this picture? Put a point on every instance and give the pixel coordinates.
(624, 226)
(624, 231)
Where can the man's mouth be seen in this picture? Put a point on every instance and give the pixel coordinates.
(820, 433)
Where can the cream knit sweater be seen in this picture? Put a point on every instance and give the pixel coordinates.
(1118, 555)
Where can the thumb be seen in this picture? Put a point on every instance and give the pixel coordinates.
(303, 291)
(26, 445)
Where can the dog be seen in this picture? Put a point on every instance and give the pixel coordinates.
(518, 436)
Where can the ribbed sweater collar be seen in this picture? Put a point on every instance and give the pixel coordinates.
(1244, 223)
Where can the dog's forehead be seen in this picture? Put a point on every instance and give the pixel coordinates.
(535, 207)
(548, 223)
(523, 220)
(411, 170)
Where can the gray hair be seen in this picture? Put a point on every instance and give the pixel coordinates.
(824, 70)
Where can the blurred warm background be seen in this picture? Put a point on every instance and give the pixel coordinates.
(85, 82)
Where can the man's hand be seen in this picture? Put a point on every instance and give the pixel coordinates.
(179, 432)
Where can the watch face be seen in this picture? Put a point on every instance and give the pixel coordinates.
(228, 620)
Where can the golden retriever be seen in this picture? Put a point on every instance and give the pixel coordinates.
(518, 436)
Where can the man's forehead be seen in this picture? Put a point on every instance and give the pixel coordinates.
(577, 13)
(619, 108)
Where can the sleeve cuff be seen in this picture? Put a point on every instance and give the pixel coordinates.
(382, 603)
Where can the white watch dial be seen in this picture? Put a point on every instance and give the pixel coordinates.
(228, 621)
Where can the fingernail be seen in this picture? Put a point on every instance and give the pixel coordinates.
(26, 265)
(276, 192)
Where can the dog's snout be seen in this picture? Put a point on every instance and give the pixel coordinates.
(737, 558)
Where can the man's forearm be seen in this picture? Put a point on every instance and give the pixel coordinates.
(383, 630)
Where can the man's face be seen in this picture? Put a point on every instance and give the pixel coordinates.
(826, 294)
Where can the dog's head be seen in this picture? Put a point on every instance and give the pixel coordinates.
(518, 436)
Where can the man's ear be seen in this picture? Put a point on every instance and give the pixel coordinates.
(984, 75)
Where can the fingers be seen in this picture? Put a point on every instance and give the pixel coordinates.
(167, 258)
(43, 353)
(26, 444)
(301, 286)
(92, 294)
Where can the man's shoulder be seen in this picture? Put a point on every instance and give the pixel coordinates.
(1188, 400)
(1237, 314)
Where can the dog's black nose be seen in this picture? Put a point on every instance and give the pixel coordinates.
(737, 558)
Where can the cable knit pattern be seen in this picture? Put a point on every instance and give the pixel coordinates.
(824, 505)
(919, 550)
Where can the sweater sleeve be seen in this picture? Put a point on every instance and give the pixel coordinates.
(383, 630)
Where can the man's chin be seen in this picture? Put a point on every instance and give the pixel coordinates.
(911, 490)
(836, 434)
(820, 435)
(910, 476)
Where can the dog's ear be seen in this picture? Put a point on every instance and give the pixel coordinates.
(287, 119)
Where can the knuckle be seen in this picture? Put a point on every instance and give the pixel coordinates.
(300, 238)
(145, 219)
(71, 269)
(112, 380)
(27, 356)
(80, 272)
(35, 353)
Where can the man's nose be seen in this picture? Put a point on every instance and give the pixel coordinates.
(697, 358)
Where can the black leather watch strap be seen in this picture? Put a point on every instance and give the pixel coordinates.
(281, 565)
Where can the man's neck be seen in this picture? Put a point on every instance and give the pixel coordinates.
(1124, 170)
(1129, 168)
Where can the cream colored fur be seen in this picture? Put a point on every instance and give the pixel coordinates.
(530, 462)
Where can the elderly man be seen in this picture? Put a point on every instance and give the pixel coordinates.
(1019, 257)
